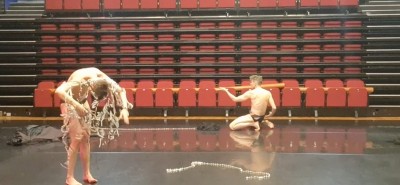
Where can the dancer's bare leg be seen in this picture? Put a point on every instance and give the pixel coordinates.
(75, 133)
(243, 122)
(85, 157)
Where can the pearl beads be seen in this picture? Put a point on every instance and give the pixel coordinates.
(252, 174)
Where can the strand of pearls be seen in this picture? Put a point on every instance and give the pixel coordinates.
(252, 175)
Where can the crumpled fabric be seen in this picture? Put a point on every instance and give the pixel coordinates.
(35, 134)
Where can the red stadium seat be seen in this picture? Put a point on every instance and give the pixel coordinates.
(248, 4)
(150, 61)
(355, 59)
(352, 35)
(187, 25)
(315, 97)
(51, 5)
(207, 60)
(128, 70)
(189, 4)
(90, 4)
(290, 82)
(144, 94)
(187, 60)
(357, 97)
(312, 24)
(149, 5)
(164, 95)
(248, 70)
(207, 96)
(112, 4)
(350, 47)
(43, 94)
(72, 5)
(354, 83)
(287, 3)
(226, 4)
(269, 24)
(127, 26)
(248, 48)
(187, 37)
(249, 25)
(268, 36)
(315, 94)
(268, 48)
(226, 25)
(267, 4)
(130, 4)
(187, 94)
(309, 3)
(334, 83)
(313, 83)
(336, 97)
(291, 97)
(353, 70)
(328, 3)
(167, 4)
(311, 60)
(207, 4)
(163, 61)
(207, 37)
(348, 3)
(226, 70)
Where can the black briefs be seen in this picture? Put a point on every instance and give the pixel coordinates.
(258, 118)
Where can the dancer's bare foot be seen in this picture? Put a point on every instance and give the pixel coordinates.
(270, 124)
(72, 181)
(89, 179)
(256, 126)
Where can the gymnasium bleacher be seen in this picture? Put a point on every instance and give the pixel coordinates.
(320, 49)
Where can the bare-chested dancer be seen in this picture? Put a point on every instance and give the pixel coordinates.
(77, 114)
(260, 100)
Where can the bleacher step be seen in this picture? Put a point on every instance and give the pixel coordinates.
(24, 11)
(30, 7)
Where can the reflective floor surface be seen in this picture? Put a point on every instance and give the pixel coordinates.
(176, 153)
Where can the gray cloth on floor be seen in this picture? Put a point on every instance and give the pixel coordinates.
(36, 133)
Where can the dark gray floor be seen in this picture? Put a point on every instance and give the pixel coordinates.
(296, 152)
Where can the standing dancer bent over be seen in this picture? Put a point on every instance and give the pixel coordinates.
(260, 100)
(79, 118)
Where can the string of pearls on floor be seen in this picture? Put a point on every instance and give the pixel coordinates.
(252, 175)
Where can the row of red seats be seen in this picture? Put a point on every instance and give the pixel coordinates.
(95, 5)
(202, 48)
(203, 60)
(147, 93)
(286, 139)
(211, 71)
(202, 25)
